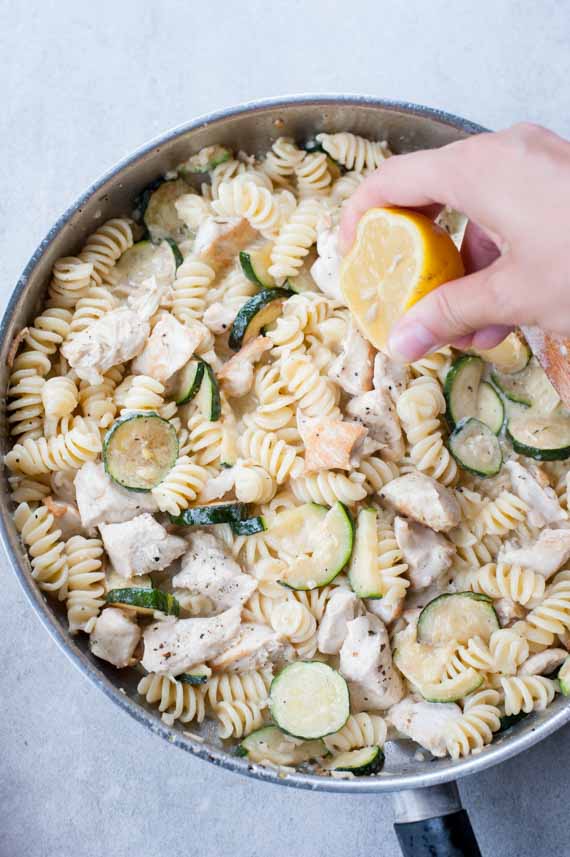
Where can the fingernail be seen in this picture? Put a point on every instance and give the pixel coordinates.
(410, 342)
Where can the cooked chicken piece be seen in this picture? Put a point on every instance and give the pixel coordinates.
(534, 489)
(352, 369)
(67, 517)
(140, 546)
(388, 610)
(175, 645)
(549, 553)
(330, 443)
(115, 338)
(206, 569)
(219, 318)
(326, 270)
(115, 637)
(390, 376)
(376, 411)
(145, 298)
(102, 501)
(219, 240)
(544, 663)
(255, 646)
(218, 486)
(366, 663)
(426, 723)
(237, 374)
(170, 347)
(508, 612)
(422, 498)
(427, 554)
(564, 638)
(341, 608)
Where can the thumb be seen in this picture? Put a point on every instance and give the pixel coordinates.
(452, 311)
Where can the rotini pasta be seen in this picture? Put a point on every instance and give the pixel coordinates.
(175, 701)
(360, 730)
(181, 486)
(85, 583)
(481, 717)
(47, 551)
(527, 693)
(354, 152)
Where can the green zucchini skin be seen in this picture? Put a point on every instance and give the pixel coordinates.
(462, 430)
(193, 679)
(146, 599)
(178, 257)
(509, 720)
(142, 421)
(361, 763)
(248, 312)
(249, 526)
(191, 377)
(209, 399)
(142, 201)
(451, 599)
(328, 715)
(453, 378)
(249, 271)
(538, 454)
(216, 513)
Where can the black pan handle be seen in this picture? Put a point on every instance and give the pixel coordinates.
(431, 823)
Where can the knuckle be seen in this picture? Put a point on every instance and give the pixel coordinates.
(448, 312)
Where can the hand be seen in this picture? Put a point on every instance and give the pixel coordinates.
(514, 186)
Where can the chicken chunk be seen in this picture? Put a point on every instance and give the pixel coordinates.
(67, 517)
(390, 376)
(176, 645)
(169, 348)
(115, 338)
(426, 723)
(206, 569)
(422, 498)
(255, 646)
(115, 637)
(366, 663)
(387, 609)
(352, 369)
(219, 240)
(534, 489)
(341, 609)
(237, 374)
(218, 486)
(326, 270)
(218, 318)
(102, 501)
(427, 554)
(544, 663)
(376, 411)
(140, 546)
(330, 443)
(548, 553)
(508, 611)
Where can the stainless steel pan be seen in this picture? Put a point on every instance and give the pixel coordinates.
(430, 817)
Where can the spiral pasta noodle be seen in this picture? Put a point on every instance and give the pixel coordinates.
(313, 175)
(253, 484)
(238, 718)
(105, 246)
(481, 717)
(296, 622)
(67, 451)
(85, 583)
(25, 407)
(314, 395)
(70, 281)
(527, 693)
(499, 516)
(274, 409)
(92, 306)
(147, 394)
(281, 160)
(47, 551)
(327, 487)
(175, 700)
(97, 401)
(475, 655)
(509, 650)
(435, 365)
(205, 439)
(249, 687)
(295, 238)
(191, 284)
(500, 580)
(25, 490)
(418, 409)
(242, 197)
(274, 455)
(354, 152)
(376, 473)
(181, 486)
(360, 730)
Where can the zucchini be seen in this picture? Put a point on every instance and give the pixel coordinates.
(476, 448)
(143, 199)
(208, 397)
(270, 744)
(309, 699)
(508, 720)
(160, 215)
(419, 663)
(456, 617)
(196, 677)
(331, 549)
(293, 531)
(176, 252)
(249, 526)
(188, 381)
(490, 407)
(229, 444)
(311, 145)
(452, 689)
(206, 160)
(364, 574)
(467, 396)
(511, 355)
(361, 763)
(144, 601)
(564, 677)
(530, 387)
(545, 439)
(258, 311)
(213, 513)
(139, 450)
(255, 265)
(144, 260)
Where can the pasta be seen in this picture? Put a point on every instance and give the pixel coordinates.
(65, 451)
(498, 517)
(85, 582)
(193, 279)
(47, 551)
(499, 580)
(419, 408)
(281, 160)
(354, 152)
(175, 701)
(481, 717)
(313, 175)
(294, 240)
(297, 623)
(26, 408)
(70, 281)
(360, 730)
(242, 197)
(328, 487)
(238, 718)
(105, 247)
(250, 687)
(181, 486)
(527, 693)
(275, 456)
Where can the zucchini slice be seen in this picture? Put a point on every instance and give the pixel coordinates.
(468, 396)
(293, 531)
(144, 601)
(511, 355)
(530, 387)
(160, 216)
(144, 260)
(229, 444)
(308, 699)
(419, 663)
(249, 526)
(490, 407)
(255, 314)
(362, 762)
(208, 397)
(205, 160)
(255, 265)
(270, 744)
(476, 448)
(456, 617)
(188, 381)
(452, 689)
(139, 450)
(363, 572)
(564, 677)
(214, 513)
(545, 439)
(195, 677)
(331, 547)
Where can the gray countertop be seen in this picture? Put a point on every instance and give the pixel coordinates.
(82, 85)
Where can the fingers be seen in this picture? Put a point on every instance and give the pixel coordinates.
(478, 248)
(491, 336)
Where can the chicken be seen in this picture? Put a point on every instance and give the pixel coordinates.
(376, 411)
(326, 270)
(146, 297)
(175, 645)
(254, 647)
(218, 318)
(508, 611)
(341, 608)
(115, 637)
(218, 486)
(102, 501)
(219, 240)
(544, 663)
(140, 546)
(207, 570)
(115, 338)
(237, 374)
(352, 369)
(548, 553)
(426, 723)
(390, 376)
(387, 609)
(366, 663)
(169, 348)
(67, 517)
(534, 489)
(422, 498)
(330, 443)
(427, 554)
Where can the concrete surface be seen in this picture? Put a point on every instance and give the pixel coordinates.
(82, 85)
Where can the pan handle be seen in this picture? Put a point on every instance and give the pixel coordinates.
(431, 821)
